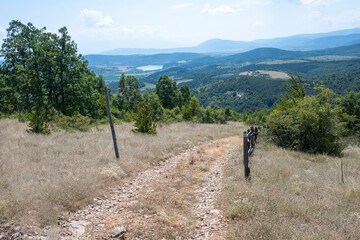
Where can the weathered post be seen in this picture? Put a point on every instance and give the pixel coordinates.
(111, 123)
(256, 134)
(246, 156)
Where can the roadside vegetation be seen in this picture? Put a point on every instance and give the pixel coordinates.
(292, 195)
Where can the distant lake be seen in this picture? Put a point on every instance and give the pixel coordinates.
(150, 67)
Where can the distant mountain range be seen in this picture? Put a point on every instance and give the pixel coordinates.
(302, 42)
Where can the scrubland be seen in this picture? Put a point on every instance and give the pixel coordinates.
(43, 176)
(293, 195)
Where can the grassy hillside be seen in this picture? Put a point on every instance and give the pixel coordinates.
(43, 176)
(293, 195)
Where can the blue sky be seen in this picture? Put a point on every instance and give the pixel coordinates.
(100, 25)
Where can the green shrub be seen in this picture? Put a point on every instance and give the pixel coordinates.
(307, 124)
(144, 119)
(155, 103)
(349, 111)
(76, 122)
(219, 115)
(186, 112)
(209, 115)
(38, 122)
(255, 117)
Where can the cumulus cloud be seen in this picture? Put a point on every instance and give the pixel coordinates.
(311, 2)
(94, 18)
(183, 5)
(223, 9)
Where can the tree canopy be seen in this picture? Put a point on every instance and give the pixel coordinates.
(43, 71)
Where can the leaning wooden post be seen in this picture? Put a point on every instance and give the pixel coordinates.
(246, 156)
(111, 123)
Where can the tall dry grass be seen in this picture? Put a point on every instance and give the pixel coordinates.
(42, 176)
(293, 195)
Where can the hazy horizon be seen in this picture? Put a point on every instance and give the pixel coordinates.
(101, 26)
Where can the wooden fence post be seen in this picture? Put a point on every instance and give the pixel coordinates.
(246, 156)
(111, 123)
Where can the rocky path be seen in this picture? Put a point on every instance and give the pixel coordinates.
(174, 200)
(211, 222)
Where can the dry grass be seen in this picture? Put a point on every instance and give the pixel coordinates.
(293, 195)
(43, 176)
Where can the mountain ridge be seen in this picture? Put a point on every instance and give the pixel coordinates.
(312, 41)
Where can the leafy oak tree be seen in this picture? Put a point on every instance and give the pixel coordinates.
(43, 73)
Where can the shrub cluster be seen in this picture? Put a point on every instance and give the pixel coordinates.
(315, 123)
(307, 124)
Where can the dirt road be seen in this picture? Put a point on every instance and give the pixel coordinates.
(175, 200)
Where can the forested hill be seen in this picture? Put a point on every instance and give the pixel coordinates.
(267, 54)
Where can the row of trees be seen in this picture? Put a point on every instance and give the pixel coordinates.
(42, 73)
(166, 103)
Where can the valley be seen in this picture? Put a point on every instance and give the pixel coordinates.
(216, 79)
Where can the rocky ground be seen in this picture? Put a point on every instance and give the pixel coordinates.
(176, 199)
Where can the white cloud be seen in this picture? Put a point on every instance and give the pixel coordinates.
(183, 5)
(223, 9)
(95, 18)
(312, 2)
